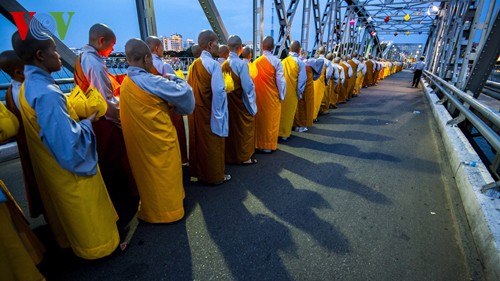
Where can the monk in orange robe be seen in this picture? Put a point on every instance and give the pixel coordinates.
(368, 80)
(353, 77)
(161, 68)
(270, 87)
(240, 143)
(208, 125)
(91, 70)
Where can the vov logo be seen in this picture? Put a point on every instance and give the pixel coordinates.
(42, 25)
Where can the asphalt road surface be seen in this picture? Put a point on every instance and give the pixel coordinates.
(367, 194)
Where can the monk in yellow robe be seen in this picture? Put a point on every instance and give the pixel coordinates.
(64, 156)
(246, 55)
(208, 124)
(270, 88)
(150, 137)
(321, 83)
(295, 76)
(344, 93)
(240, 143)
(11, 64)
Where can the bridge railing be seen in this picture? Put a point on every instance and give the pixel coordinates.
(464, 107)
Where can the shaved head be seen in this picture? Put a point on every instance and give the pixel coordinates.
(99, 30)
(223, 51)
(26, 49)
(329, 56)
(10, 62)
(153, 42)
(102, 38)
(246, 53)
(336, 60)
(234, 43)
(321, 50)
(208, 41)
(138, 53)
(268, 43)
(205, 37)
(354, 54)
(196, 50)
(295, 46)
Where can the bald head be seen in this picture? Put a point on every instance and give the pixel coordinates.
(196, 51)
(11, 64)
(155, 45)
(205, 37)
(208, 41)
(223, 51)
(138, 53)
(295, 46)
(26, 49)
(234, 43)
(321, 50)
(336, 60)
(99, 30)
(246, 53)
(268, 43)
(329, 56)
(354, 54)
(102, 38)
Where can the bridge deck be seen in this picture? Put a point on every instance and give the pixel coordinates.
(367, 194)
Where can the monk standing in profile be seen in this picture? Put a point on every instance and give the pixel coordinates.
(240, 144)
(295, 76)
(91, 70)
(64, 156)
(270, 87)
(208, 125)
(164, 69)
(150, 136)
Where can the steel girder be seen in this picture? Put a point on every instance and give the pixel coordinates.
(214, 19)
(488, 55)
(285, 19)
(146, 18)
(306, 19)
(68, 58)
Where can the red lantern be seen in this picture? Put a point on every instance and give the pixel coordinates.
(387, 19)
(351, 22)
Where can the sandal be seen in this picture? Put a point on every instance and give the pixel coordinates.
(246, 163)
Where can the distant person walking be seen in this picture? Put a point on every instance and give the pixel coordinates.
(418, 67)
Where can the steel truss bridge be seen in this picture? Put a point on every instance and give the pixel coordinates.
(462, 45)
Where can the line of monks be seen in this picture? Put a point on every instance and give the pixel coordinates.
(113, 151)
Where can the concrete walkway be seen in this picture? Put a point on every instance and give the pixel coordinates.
(367, 194)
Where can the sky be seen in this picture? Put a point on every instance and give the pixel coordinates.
(184, 17)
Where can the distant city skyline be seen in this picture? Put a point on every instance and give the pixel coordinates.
(183, 17)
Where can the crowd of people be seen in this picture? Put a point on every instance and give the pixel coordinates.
(94, 175)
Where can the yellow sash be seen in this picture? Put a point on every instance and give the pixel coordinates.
(78, 208)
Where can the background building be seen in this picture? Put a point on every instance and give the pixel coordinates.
(173, 43)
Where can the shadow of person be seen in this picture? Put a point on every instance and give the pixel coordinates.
(340, 149)
(247, 237)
